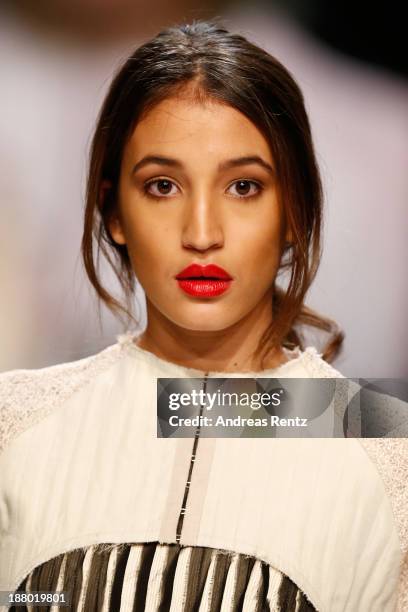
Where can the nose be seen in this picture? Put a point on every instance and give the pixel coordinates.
(202, 224)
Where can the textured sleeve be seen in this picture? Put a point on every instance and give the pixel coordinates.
(28, 396)
(402, 602)
(317, 367)
(389, 455)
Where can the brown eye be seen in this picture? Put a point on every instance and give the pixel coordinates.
(164, 186)
(159, 187)
(245, 188)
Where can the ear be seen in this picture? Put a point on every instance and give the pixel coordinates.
(113, 224)
(288, 236)
(116, 230)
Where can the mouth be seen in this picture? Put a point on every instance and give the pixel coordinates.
(204, 281)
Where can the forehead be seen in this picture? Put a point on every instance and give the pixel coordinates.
(184, 126)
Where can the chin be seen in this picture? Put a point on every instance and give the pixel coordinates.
(208, 322)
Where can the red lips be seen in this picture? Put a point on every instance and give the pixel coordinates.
(204, 281)
(209, 271)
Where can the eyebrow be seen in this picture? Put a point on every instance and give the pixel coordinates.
(226, 165)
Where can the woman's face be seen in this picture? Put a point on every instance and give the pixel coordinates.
(198, 186)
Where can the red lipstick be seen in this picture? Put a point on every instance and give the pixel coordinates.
(204, 281)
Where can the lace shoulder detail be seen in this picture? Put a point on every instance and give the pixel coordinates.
(402, 601)
(318, 367)
(28, 396)
(390, 457)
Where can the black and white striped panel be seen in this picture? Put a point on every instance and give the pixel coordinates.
(157, 577)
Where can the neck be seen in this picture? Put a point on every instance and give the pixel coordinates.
(225, 350)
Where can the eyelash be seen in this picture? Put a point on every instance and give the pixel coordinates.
(240, 197)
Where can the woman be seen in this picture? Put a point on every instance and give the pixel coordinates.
(203, 186)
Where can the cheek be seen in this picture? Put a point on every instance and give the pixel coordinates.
(149, 246)
(259, 244)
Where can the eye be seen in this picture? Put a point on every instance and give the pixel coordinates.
(243, 188)
(159, 188)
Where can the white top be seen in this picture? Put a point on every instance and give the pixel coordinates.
(81, 464)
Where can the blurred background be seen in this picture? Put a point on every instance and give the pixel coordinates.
(57, 58)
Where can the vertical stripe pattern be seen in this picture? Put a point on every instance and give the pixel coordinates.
(156, 577)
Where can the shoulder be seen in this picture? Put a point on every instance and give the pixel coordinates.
(390, 457)
(388, 454)
(27, 396)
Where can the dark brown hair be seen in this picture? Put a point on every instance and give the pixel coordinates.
(216, 64)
